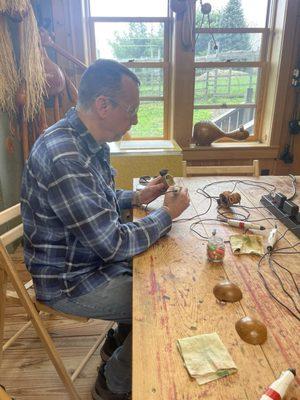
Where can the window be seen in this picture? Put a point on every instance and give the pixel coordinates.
(230, 63)
(137, 34)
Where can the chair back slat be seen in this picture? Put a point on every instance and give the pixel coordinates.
(10, 213)
(12, 235)
(190, 170)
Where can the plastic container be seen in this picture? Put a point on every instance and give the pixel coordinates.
(215, 248)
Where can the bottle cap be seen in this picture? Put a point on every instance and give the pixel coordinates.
(293, 371)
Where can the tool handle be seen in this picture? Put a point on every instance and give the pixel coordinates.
(272, 239)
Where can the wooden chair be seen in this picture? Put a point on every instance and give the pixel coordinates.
(33, 307)
(190, 170)
(3, 394)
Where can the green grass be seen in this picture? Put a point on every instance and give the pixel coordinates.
(150, 115)
(150, 121)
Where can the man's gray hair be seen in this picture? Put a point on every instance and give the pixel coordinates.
(103, 77)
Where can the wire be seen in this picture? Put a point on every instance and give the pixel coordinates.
(270, 189)
(291, 275)
(294, 187)
(243, 213)
(281, 283)
(269, 290)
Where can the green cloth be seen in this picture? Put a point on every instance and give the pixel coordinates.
(205, 357)
(247, 244)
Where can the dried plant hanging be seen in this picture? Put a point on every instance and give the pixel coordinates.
(9, 80)
(15, 9)
(31, 69)
(3, 6)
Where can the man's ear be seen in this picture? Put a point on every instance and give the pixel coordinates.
(102, 105)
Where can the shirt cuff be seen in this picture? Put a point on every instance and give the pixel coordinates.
(136, 199)
(164, 220)
(125, 200)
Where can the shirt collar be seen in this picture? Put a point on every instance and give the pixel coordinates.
(84, 134)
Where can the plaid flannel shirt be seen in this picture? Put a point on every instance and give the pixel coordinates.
(74, 239)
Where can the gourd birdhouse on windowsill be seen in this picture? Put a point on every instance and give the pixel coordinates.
(206, 132)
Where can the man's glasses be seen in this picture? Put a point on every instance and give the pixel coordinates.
(131, 111)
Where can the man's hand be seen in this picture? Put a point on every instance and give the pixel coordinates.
(154, 189)
(176, 202)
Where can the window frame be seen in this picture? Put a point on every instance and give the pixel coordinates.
(164, 65)
(262, 66)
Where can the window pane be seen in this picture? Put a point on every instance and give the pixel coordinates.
(225, 85)
(129, 8)
(151, 81)
(151, 120)
(234, 14)
(228, 119)
(231, 46)
(136, 41)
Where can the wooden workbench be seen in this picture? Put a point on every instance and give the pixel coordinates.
(173, 298)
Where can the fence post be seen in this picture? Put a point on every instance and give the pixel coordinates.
(247, 115)
(215, 81)
(229, 81)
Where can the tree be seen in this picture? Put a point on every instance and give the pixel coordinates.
(139, 43)
(233, 17)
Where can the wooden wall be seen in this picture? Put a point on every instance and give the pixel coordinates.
(290, 99)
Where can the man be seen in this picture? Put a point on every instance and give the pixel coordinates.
(77, 249)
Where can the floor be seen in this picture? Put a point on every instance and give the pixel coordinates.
(26, 371)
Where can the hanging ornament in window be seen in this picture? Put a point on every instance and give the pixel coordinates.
(206, 10)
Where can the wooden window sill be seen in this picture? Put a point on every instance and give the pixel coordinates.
(140, 147)
(231, 150)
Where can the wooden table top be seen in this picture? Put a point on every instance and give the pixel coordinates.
(173, 298)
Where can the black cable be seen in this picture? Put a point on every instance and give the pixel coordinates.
(281, 283)
(291, 275)
(270, 188)
(269, 290)
(294, 187)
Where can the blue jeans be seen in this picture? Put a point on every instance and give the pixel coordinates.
(110, 301)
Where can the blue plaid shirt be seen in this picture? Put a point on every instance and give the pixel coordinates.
(74, 239)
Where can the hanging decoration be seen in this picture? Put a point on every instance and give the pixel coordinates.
(178, 6)
(9, 78)
(31, 67)
(17, 10)
(185, 9)
(188, 26)
(206, 10)
(22, 78)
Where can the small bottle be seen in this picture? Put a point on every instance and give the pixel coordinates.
(278, 388)
(215, 248)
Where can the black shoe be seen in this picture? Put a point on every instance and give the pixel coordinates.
(109, 346)
(114, 339)
(101, 391)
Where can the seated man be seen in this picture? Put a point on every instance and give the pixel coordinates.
(77, 249)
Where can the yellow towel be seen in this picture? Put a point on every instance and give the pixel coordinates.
(247, 244)
(205, 357)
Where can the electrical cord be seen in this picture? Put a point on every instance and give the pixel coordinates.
(294, 187)
(221, 212)
(271, 189)
(269, 290)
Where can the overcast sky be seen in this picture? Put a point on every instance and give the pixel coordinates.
(254, 12)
